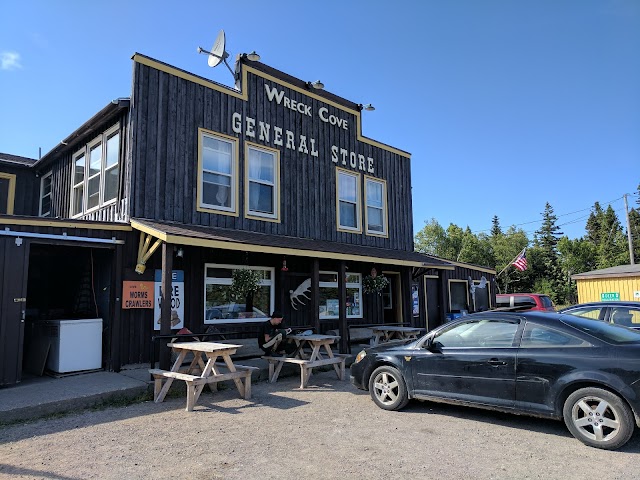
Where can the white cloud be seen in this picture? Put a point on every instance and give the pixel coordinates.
(10, 61)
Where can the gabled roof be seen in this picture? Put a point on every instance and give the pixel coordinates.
(611, 272)
(15, 160)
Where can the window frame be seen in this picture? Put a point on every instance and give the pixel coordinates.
(356, 175)
(488, 290)
(255, 215)
(322, 285)
(42, 195)
(11, 193)
(385, 207)
(227, 281)
(455, 280)
(235, 172)
(85, 152)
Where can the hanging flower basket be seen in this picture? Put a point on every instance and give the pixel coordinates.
(375, 284)
(244, 282)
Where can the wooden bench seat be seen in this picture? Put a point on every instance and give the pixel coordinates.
(306, 366)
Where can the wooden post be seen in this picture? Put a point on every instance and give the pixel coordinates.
(114, 362)
(315, 294)
(165, 303)
(342, 302)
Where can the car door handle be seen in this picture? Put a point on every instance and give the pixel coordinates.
(495, 362)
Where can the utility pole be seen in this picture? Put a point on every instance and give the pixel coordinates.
(626, 211)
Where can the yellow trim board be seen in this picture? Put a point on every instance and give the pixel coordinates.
(244, 94)
(11, 194)
(62, 224)
(248, 247)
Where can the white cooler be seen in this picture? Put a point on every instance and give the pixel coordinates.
(75, 345)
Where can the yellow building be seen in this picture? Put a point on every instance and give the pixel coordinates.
(615, 283)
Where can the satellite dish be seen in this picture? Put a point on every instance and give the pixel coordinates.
(218, 53)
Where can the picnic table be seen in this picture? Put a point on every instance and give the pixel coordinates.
(320, 354)
(384, 333)
(198, 373)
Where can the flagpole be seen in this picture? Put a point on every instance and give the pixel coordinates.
(511, 262)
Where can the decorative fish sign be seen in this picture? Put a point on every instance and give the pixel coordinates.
(295, 295)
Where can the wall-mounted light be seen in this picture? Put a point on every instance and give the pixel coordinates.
(368, 107)
(318, 85)
(253, 56)
(180, 253)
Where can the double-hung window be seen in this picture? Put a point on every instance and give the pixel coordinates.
(262, 195)
(375, 192)
(348, 201)
(218, 173)
(96, 172)
(45, 196)
(7, 193)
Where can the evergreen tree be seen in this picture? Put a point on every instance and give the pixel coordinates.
(593, 224)
(612, 246)
(546, 239)
(495, 227)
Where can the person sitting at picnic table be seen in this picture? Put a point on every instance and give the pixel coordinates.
(272, 337)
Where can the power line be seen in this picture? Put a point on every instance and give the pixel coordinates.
(558, 216)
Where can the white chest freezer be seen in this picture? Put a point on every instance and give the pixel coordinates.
(75, 345)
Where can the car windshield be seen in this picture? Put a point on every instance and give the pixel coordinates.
(606, 332)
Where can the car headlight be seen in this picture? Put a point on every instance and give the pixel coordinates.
(360, 356)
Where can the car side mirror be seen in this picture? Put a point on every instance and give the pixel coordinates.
(432, 346)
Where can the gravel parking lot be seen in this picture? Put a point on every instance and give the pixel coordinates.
(329, 431)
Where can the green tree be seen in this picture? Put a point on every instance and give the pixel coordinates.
(594, 223)
(431, 239)
(495, 226)
(612, 245)
(576, 256)
(505, 248)
(548, 267)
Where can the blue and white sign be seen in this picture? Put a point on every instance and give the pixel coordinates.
(177, 299)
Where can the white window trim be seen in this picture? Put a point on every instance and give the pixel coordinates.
(275, 216)
(358, 227)
(227, 281)
(42, 195)
(205, 207)
(385, 217)
(357, 285)
(86, 151)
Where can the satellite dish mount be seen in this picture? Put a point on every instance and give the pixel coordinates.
(218, 53)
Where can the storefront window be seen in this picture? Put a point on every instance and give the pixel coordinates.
(329, 303)
(221, 308)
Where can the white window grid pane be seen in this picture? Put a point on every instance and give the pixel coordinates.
(113, 150)
(347, 188)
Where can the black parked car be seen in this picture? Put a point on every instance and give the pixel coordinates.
(567, 367)
(622, 313)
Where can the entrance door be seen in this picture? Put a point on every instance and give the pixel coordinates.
(391, 299)
(14, 260)
(433, 306)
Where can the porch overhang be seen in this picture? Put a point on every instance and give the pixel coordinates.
(241, 240)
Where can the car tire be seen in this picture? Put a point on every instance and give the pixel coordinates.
(598, 418)
(387, 388)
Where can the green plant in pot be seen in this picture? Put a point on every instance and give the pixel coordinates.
(374, 283)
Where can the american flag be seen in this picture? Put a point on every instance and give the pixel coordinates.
(521, 260)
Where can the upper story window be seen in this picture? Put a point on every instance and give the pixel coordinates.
(348, 201)
(262, 185)
(375, 192)
(96, 172)
(218, 173)
(45, 196)
(7, 193)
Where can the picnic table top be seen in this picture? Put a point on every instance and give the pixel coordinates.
(395, 329)
(203, 346)
(314, 337)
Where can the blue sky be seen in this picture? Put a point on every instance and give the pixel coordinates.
(503, 104)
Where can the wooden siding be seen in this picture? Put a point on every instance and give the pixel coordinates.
(167, 112)
(463, 273)
(589, 290)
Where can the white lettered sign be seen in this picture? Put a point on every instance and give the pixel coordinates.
(177, 299)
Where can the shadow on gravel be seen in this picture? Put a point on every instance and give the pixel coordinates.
(540, 425)
(29, 473)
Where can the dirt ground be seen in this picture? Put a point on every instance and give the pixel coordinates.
(330, 430)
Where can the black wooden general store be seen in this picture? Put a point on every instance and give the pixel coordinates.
(139, 217)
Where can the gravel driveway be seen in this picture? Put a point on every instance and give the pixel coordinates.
(329, 431)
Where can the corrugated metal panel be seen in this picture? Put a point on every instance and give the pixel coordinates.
(590, 290)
